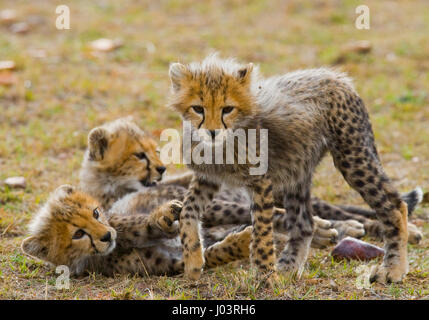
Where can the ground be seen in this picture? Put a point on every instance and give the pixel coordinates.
(63, 89)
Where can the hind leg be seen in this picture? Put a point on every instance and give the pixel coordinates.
(362, 170)
(298, 223)
(355, 155)
(235, 246)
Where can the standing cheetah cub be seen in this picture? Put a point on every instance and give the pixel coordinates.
(307, 113)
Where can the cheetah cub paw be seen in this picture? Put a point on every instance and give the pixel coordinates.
(167, 215)
(414, 234)
(384, 274)
(349, 228)
(324, 233)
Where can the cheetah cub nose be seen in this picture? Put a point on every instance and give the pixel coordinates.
(107, 237)
(213, 133)
(161, 170)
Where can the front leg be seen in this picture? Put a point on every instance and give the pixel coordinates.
(262, 254)
(134, 231)
(198, 197)
(183, 180)
(298, 224)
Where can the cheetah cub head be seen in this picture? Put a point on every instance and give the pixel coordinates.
(120, 156)
(69, 228)
(213, 95)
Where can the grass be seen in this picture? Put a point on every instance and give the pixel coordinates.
(46, 116)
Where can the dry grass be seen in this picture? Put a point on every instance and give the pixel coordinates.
(45, 118)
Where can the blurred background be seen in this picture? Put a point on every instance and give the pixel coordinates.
(55, 85)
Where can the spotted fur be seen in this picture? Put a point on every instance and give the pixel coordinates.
(307, 114)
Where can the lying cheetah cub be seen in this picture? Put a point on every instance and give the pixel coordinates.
(71, 229)
(307, 114)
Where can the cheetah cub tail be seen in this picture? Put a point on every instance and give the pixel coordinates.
(413, 198)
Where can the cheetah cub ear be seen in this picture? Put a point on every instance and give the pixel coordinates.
(178, 72)
(61, 193)
(98, 141)
(64, 190)
(243, 74)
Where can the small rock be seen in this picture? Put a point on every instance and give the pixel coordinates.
(20, 27)
(351, 248)
(361, 47)
(7, 65)
(7, 16)
(16, 182)
(105, 45)
(333, 285)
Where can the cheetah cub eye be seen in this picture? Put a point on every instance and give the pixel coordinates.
(78, 234)
(141, 155)
(228, 109)
(96, 213)
(198, 109)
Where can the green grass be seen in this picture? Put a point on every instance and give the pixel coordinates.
(43, 126)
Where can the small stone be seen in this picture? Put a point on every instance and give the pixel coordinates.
(20, 27)
(357, 47)
(16, 182)
(361, 47)
(7, 16)
(351, 248)
(333, 285)
(105, 45)
(7, 65)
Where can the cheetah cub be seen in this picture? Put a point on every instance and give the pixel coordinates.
(72, 229)
(306, 113)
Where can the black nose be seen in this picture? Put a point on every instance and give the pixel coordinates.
(107, 237)
(161, 170)
(213, 133)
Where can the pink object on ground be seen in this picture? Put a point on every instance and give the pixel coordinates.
(352, 248)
